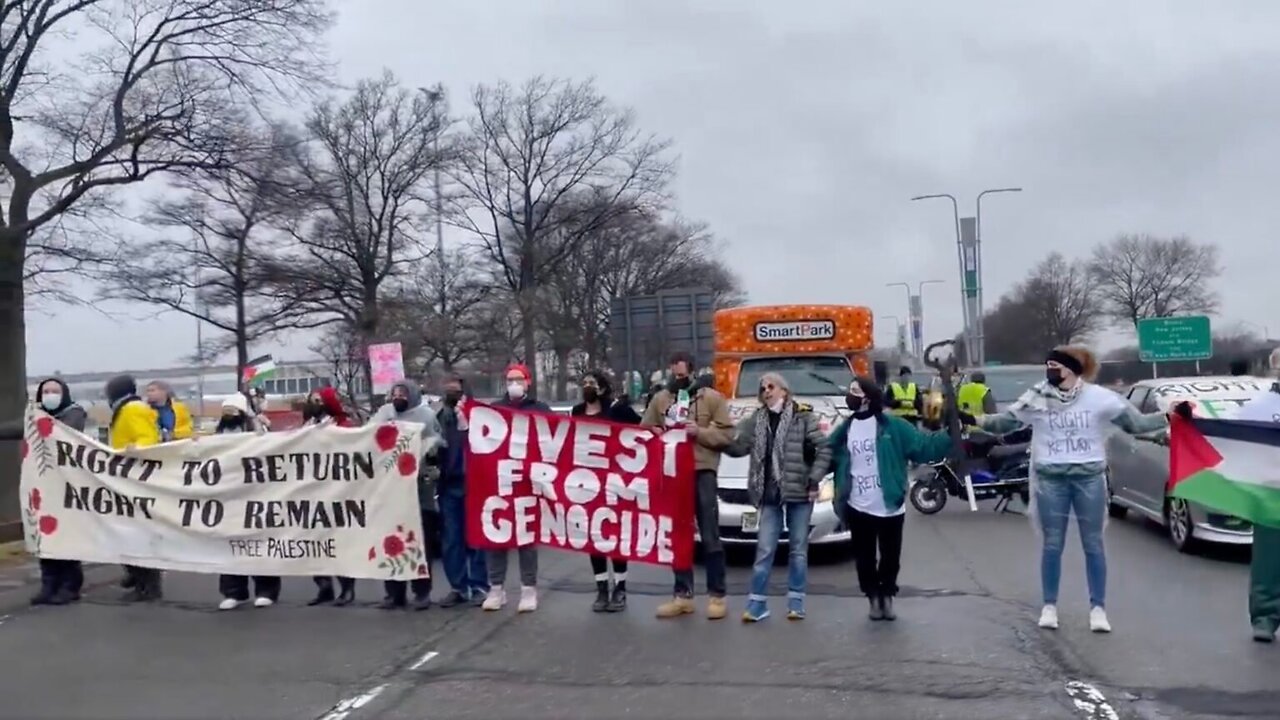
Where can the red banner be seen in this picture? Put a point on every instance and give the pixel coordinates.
(579, 484)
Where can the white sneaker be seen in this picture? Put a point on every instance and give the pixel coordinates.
(1098, 621)
(263, 602)
(228, 604)
(528, 599)
(495, 600)
(1049, 617)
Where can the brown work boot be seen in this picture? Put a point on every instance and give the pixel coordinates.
(675, 607)
(716, 608)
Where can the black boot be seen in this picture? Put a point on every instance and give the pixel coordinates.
(877, 610)
(324, 593)
(602, 597)
(618, 600)
(391, 602)
(886, 608)
(422, 602)
(348, 594)
(42, 598)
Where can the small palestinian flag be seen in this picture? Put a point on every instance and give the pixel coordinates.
(1229, 466)
(259, 369)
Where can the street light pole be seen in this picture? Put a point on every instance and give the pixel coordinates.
(955, 213)
(897, 329)
(981, 341)
(920, 302)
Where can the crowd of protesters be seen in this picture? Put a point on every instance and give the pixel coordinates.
(868, 455)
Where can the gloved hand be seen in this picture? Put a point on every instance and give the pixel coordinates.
(1182, 409)
(966, 418)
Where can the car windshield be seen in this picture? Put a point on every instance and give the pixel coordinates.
(807, 375)
(1008, 385)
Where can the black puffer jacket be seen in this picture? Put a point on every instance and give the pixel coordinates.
(616, 410)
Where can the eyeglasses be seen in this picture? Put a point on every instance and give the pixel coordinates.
(768, 387)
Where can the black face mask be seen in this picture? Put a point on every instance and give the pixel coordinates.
(400, 404)
(590, 394)
(678, 384)
(311, 411)
(1054, 376)
(855, 403)
(452, 397)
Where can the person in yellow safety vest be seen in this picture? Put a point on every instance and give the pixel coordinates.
(974, 397)
(905, 399)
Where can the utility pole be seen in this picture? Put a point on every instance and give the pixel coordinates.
(195, 245)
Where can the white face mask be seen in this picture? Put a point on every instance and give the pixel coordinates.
(515, 390)
(51, 401)
(776, 405)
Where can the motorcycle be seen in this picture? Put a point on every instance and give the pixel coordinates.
(999, 468)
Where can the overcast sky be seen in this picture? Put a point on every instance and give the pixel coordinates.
(803, 128)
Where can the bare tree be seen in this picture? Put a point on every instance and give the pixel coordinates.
(429, 333)
(374, 153)
(1057, 304)
(214, 263)
(347, 360)
(1142, 276)
(98, 94)
(541, 168)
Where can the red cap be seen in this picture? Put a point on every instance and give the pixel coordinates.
(520, 368)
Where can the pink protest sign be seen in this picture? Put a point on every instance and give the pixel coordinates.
(386, 364)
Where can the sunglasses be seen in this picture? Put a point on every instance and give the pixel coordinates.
(769, 387)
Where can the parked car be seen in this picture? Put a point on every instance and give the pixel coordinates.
(1138, 465)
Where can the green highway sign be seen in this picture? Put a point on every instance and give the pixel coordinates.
(1174, 338)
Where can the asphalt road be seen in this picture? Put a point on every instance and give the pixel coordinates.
(965, 646)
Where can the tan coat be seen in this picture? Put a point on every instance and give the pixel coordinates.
(710, 412)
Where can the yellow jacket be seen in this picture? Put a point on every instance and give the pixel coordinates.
(183, 428)
(135, 424)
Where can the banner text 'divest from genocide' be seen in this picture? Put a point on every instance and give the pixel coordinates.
(579, 484)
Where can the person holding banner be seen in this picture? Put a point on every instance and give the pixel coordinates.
(405, 405)
(789, 457)
(237, 418)
(870, 451)
(464, 566)
(705, 414)
(1070, 418)
(133, 425)
(598, 401)
(517, 397)
(325, 406)
(60, 580)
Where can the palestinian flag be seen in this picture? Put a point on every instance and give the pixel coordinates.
(259, 369)
(1229, 466)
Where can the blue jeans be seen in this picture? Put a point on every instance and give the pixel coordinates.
(798, 514)
(464, 567)
(1054, 500)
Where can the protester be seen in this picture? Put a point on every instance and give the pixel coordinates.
(133, 425)
(870, 451)
(60, 580)
(1264, 566)
(324, 406)
(464, 566)
(405, 405)
(905, 398)
(974, 397)
(172, 415)
(518, 397)
(789, 457)
(1069, 416)
(705, 414)
(237, 418)
(598, 401)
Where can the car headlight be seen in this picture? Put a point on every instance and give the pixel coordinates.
(827, 490)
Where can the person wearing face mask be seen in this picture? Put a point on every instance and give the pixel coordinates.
(406, 406)
(60, 580)
(870, 451)
(1069, 418)
(518, 397)
(464, 566)
(236, 419)
(789, 457)
(598, 402)
(133, 425)
(324, 406)
(905, 399)
(704, 414)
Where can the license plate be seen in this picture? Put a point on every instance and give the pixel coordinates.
(750, 522)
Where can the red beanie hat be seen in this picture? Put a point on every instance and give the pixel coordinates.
(520, 368)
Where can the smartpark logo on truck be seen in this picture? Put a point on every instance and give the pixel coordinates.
(795, 330)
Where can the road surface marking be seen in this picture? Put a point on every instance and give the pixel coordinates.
(424, 660)
(344, 708)
(4, 618)
(1090, 701)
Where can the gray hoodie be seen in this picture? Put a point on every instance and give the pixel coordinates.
(417, 412)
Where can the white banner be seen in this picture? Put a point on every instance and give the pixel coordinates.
(321, 500)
